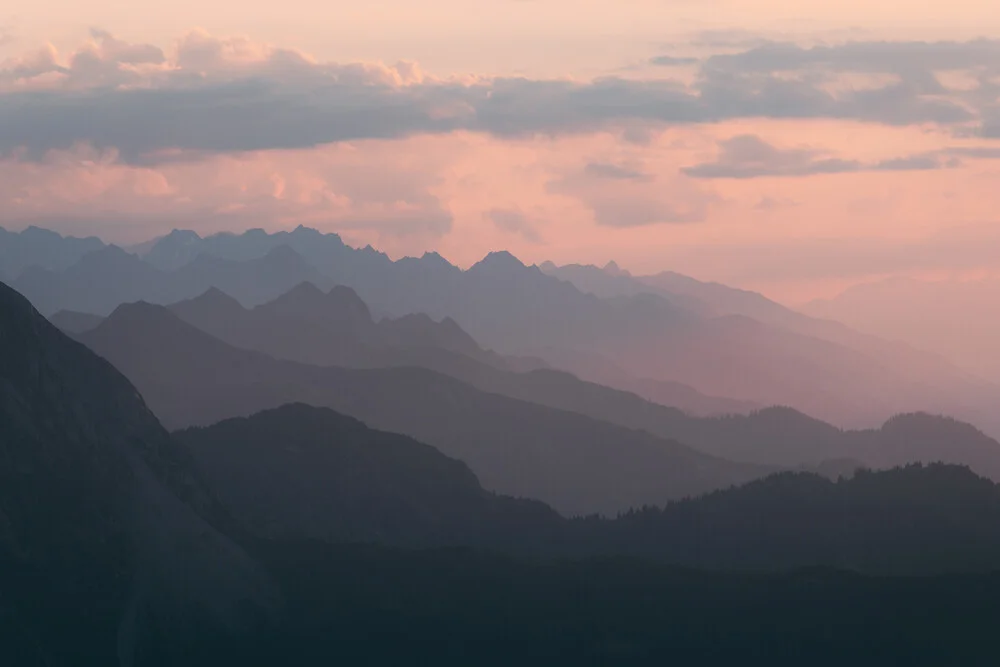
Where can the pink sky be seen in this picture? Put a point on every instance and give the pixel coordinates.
(784, 169)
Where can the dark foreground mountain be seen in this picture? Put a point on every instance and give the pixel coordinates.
(104, 543)
(458, 607)
(575, 463)
(309, 326)
(299, 472)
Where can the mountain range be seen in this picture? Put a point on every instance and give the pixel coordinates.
(955, 318)
(311, 327)
(301, 536)
(663, 337)
(515, 447)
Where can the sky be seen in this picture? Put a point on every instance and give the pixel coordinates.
(794, 151)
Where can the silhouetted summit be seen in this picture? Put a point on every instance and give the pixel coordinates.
(41, 248)
(302, 472)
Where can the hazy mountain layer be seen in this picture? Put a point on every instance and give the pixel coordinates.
(333, 328)
(299, 472)
(955, 318)
(571, 461)
(740, 347)
(103, 280)
(309, 326)
(41, 248)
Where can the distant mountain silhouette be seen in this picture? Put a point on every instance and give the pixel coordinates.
(298, 472)
(41, 248)
(913, 379)
(72, 322)
(769, 356)
(333, 329)
(597, 368)
(103, 529)
(955, 318)
(103, 280)
(305, 326)
(571, 461)
(181, 247)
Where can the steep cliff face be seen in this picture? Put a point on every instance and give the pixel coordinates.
(106, 535)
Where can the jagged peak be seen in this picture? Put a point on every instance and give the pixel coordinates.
(216, 297)
(345, 298)
(305, 292)
(499, 259)
(138, 313)
(34, 230)
(435, 258)
(185, 235)
(284, 253)
(109, 253)
(612, 269)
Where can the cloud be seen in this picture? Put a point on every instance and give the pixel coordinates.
(383, 190)
(748, 156)
(615, 172)
(990, 128)
(514, 221)
(861, 56)
(673, 61)
(213, 95)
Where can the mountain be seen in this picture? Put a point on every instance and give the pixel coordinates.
(456, 607)
(41, 248)
(107, 535)
(333, 328)
(513, 308)
(916, 379)
(905, 521)
(715, 299)
(305, 326)
(323, 251)
(298, 472)
(955, 318)
(97, 283)
(575, 463)
(784, 359)
(72, 322)
(599, 369)
(103, 280)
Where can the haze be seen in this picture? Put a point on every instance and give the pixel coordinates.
(499, 332)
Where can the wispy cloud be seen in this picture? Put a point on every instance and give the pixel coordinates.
(749, 156)
(229, 95)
